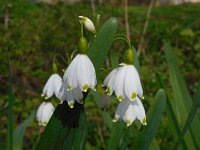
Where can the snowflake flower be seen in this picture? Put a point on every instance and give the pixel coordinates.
(44, 113)
(129, 111)
(52, 86)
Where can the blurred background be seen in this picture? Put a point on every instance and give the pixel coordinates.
(33, 31)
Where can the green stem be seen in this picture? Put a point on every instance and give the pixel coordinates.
(56, 55)
(123, 39)
(10, 108)
(82, 33)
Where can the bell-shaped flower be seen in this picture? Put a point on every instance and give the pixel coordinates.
(124, 81)
(129, 111)
(44, 113)
(52, 86)
(88, 24)
(70, 96)
(81, 72)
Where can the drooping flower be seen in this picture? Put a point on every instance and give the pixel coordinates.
(129, 111)
(88, 24)
(70, 96)
(44, 113)
(52, 86)
(124, 81)
(81, 72)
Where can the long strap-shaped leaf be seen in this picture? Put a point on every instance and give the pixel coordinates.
(18, 133)
(154, 116)
(190, 118)
(182, 100)
(64, 118)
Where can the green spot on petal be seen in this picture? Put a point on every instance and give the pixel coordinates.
(144, 121)
(46, 97)
(85, 87)
(128, 123)
(69, 88)
(71, 104)
(120, 98)
(133, 96)
(115, 119)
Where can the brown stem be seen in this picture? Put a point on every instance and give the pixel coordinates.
(140, 47)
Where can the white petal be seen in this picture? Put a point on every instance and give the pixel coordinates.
(78, 95)
(130, 84)
(52, 86)
(44, 113)
(110, 80)
(129, 115)
(110, 76)
(83, 73)
(119, 83)
(140, 112)
(91, 72)
(137, 81)
(70, 76)
(119, 113)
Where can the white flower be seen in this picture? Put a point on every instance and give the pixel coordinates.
(52, 86)
(125, 82)
(44, 113)
(80, 74)
(70, 96)
(88, 24)
(129, 111)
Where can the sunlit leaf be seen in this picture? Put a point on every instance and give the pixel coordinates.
(154, 117)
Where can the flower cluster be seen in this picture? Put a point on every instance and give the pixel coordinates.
(80, 76)
(124, 81)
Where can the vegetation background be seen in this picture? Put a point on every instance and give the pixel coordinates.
(33, 33)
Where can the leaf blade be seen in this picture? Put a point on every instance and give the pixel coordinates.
(154, 116)
(18, 133)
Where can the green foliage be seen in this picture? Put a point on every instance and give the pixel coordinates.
(182, 99)
(154, 117)
(18, 133)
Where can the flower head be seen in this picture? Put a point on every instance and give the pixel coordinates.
(44, 113)
(52, 86)
(129, 111)
(125, 82)
(70, 96)
(88, 24)
(80, 74)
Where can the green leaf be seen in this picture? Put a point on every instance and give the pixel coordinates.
(115, 136)
(190, 118)
(80, 133)
(18, 133)
(173, 122)
(102, 43)
(182, 102)
(64, 118)
(136, 60)
(154, 145)
(154, 117)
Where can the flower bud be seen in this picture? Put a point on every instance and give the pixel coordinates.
(88, 24)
